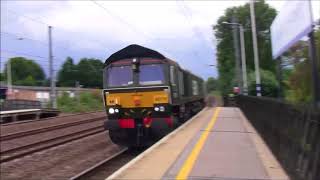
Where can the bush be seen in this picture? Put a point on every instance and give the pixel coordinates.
(269, 84)
(87, 101)
(300, 83)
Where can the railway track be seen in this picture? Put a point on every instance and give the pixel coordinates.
(106, 167)
(45, 129)
(18, 144)
(49, 118)
(21, 151)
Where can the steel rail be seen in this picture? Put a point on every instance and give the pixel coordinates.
(45, 129)
(46, 144)
(93, 168)
(49, 118)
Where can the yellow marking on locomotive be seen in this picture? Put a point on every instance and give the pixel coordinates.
(137, 99)
(159, 99)
(113, 100)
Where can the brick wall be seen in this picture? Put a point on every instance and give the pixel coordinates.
(22, 94)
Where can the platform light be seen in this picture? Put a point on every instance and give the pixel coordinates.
(111, 111)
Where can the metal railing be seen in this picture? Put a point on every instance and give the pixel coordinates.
(291, 132)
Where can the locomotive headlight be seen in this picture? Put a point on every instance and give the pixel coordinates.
(162, 108)
(116, 110)
(134, 60)
(156, 108)
(111, 111)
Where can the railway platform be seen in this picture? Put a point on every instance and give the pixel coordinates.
(26, 114)
(217, 143)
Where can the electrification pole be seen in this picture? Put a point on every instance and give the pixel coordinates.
(53, 97)
(9, 78)
(78, 91)
(243, 63)
(237, 54)
(255, 48)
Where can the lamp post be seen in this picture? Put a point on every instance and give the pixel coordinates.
(255, 48)
(243, 56)
(53, 95)
(9, 74)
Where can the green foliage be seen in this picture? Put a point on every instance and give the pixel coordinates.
(29, 81)
(212, 84)
(87, 101)
(67, 76)
(298, 89)
(1, 77)
(88, 72)
(300, 83)
(269, 83)
(317, 37)
(225, 51)
(25, 72)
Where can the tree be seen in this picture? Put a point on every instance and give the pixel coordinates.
(300, 80)
(67, 75)
(225, 51)
(29, 81)
(300, 83)
(25, 72)
(212, 84)
(1, 77)
(90, 72)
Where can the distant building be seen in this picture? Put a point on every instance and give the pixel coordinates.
(40, 93)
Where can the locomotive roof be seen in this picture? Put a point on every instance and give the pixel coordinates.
(132, 51)
(135, 50)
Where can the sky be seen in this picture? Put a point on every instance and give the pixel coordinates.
(181, 30)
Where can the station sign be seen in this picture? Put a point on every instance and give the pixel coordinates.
(293, 22)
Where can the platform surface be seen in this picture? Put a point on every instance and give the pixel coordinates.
(218, 143)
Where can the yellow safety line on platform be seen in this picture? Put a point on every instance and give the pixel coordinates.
(189, 162)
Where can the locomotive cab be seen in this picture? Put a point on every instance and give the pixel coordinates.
(137, 101)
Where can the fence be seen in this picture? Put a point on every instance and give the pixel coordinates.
(292, 133)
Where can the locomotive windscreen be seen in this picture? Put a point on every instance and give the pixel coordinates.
(151, 74)
(120, 76)
(148, 74)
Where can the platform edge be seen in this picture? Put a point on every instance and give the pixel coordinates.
(269, 161)
(149, 150)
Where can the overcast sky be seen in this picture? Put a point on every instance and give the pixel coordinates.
(181, 30)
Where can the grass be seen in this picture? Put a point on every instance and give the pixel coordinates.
(87, 101)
